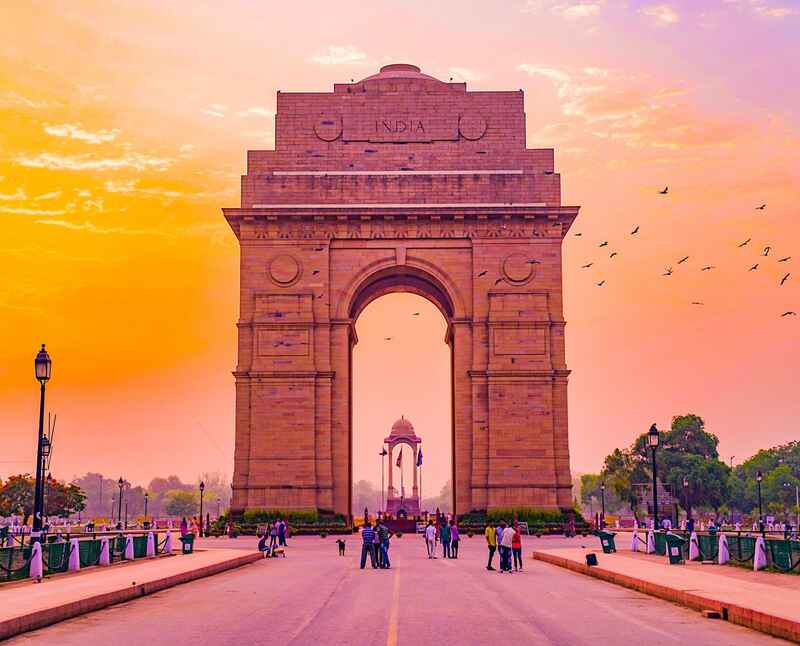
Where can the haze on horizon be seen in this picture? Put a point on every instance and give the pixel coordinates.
(125, 136)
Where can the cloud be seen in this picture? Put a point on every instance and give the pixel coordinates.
(24, 211)
(464, 74)
(16, 196)
(341, 55)
(263, 135)
(213, 113)
(94, 205)
(13, 98)
(91, 228)
(76, 131)
(569, 10)
(131, 186)
(52, 195)
(256, 111)
(663, 14)
(615, 107)
(54, 161)
(578, 10)
(765, 9)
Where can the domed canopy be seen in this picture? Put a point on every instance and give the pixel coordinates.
(400, 71)
(402, 429)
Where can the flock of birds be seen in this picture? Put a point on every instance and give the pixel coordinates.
(669, 271)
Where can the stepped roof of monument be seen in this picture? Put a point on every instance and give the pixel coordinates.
(402, 428)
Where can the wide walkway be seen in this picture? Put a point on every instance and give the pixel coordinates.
(314, 597)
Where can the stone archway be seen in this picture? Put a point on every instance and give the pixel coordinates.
(400, 182)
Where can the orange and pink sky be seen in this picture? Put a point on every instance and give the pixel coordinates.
(124, 131)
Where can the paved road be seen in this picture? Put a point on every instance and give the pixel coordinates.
(313, 597)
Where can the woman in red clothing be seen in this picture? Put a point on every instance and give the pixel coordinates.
(516, 548)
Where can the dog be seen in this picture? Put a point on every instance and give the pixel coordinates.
(341, 545)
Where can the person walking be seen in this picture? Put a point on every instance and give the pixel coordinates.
(368, 546)
(506, 541)
(491, 543)
(444, 536)
(430, 540)
(516, 547)
(383, 534)
(454, 539)
(273, 536)
(282, 526)
(376, 546)
(184, 526)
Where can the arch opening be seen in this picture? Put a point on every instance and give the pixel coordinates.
(401, 368)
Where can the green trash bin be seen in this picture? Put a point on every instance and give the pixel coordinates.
(675, 548)
(187, 544)
(607, 541)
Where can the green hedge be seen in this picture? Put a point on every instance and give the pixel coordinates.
(255, 516)
(533, 516)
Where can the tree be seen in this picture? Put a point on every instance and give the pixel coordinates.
(180, 503)
(365, 494)
(60, 499)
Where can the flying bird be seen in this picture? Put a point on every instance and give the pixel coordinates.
(587, 265)
(753, 268)
(319, 248)
(388, 338)
(766, 251)
(665, 191)
(483, 273)
(604, 243)
(315, 272)
(549, 172)
(708, 268)
(784, 279)
(578, 235)
(635, 231)
(498, 281)
(785, 259)
(683, 260)
(790, 313)
(601, 283)
(761, 208)
(745, 243)
(668, 272)
(533, 261)
(614, 253)
(415, 314)
(697, 303)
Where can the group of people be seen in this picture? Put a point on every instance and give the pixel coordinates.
(508, 540)
(375, 543)
(447, 534)
(190, 527)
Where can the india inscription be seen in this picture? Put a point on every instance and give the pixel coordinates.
(401, 182)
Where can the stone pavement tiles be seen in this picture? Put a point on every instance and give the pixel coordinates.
(757, 601)
(63, 596)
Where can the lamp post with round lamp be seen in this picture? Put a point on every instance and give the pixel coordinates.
(146, 499)
(686, 497)
(759, 478)
(43, 365)
(603, 504)
(120, 484)
(202, 489)
(652, 442)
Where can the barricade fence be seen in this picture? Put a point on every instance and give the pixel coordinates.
(15, 561)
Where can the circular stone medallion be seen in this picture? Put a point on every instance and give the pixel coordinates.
(284, 270)
(517, 269)
(328, 127)
(472, 126)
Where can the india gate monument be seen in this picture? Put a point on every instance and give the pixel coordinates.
(400, 182)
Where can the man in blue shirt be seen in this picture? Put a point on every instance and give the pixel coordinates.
(367, 547)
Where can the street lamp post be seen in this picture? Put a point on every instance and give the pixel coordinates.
(686, 497)
(652, 442)
(603, 503)
(383, 455)
(43, 366)
(120, 484)
(759, 478)
(146, 498)
(202, 489)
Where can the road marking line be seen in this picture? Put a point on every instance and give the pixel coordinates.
(394, 613)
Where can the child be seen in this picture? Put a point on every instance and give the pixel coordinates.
(341, 544)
